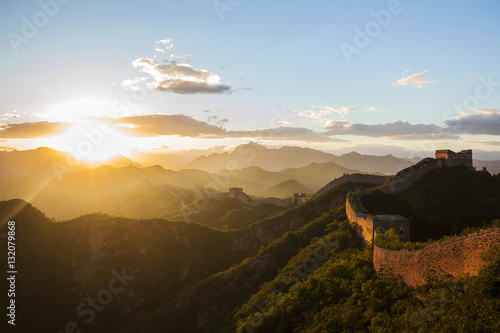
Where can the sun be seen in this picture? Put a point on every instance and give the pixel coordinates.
(93, 141)
(78, 109)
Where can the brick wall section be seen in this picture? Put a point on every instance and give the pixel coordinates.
(364, 222)
(367, 224)
(274, 201)
(245, 199)
(457, 256)
(407, 177)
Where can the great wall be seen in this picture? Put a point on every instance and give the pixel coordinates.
(237, 193)
(457, 256)
(369, 223)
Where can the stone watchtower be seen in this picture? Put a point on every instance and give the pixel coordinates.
(299, 198)
(464, 157)
(235, 192)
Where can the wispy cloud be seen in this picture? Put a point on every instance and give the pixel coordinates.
(186, 126)
(419, 80)
(175, 74)
(483, 121)
(136, 84)
(7, 148)
(13, 114)
(155, 125)
(164, 45)
(400, 130)
(475, 122)
(372, 108)
(163, 124)
(30, 130)
(6, 116)
(285, 133)
(162, 147)
(319, 113)
(10, 115)
(486, 143)
(215, 118)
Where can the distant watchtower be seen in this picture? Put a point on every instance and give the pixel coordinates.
(299, 198)
(235, 192)
(464, 157)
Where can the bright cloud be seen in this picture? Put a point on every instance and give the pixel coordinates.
(418, 80)
(8, 115)
(164, 45)
(175, 74)
(319, 113)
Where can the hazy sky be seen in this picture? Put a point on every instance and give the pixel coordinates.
(372, 76)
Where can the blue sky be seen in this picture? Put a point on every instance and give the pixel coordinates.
(321, 74)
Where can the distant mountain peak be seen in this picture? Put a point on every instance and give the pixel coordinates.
(251, 144)
(155, 167)
(352, 153)
(276, 159)
(285, 189)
